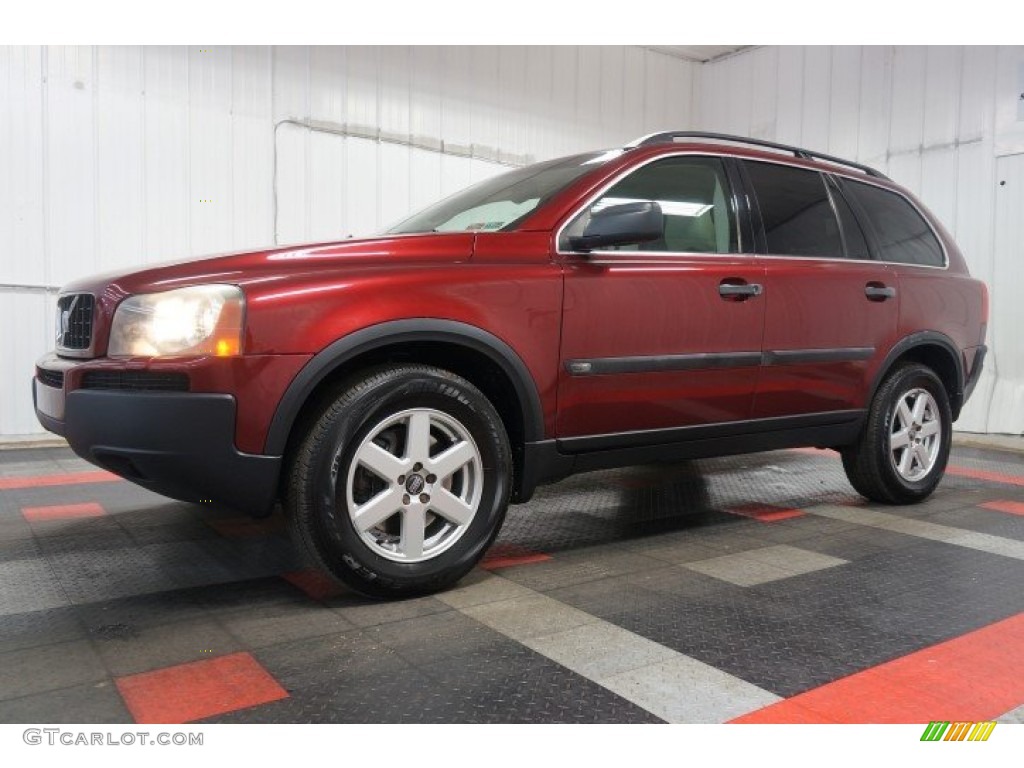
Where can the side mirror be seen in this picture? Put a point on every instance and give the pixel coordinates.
(623, 224)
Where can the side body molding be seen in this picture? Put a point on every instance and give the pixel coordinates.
(399, 332)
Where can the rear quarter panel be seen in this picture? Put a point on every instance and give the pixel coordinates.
(946, 301)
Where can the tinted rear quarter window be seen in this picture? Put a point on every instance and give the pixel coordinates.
(902, 234)
(796, 211)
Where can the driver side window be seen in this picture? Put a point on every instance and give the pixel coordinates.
(693, 193)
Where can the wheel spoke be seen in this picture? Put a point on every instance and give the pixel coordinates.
(900, 439)
(450, 507)
(414, 524)
(920, 403)
(380, 462)
(417, 444)
(922, 456)
(376, 510)
(930, 428)
(905, 460)
(906, 417)
(452, 460)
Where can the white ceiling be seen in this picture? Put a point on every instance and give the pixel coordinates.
(698, 52)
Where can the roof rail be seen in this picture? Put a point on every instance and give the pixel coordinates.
(666, 137)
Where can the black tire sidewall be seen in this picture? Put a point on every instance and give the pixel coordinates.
(339, 545)
(916, 377)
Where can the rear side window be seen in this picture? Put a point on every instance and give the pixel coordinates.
(902, 234)
(796, 211)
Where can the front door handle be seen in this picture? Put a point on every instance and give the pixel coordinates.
(739, 291)
(879, 291)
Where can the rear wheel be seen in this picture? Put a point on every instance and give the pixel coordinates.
(902, 452)
(402, 483)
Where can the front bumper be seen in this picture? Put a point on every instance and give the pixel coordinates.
(179, 444)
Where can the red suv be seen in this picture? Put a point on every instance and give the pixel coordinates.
(687, 295)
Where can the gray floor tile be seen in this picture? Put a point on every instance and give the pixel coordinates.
(281, 622)
(524, 617)
(366, 613)
(794, 560)
(739, 569)
(29, 585)
(128, 650)
(89, 703)
(49, 667)
(600, 650)
(686, 691)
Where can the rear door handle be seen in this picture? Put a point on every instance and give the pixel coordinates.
(879, 291)
(739, 292)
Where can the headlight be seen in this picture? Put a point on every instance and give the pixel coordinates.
(201, 320)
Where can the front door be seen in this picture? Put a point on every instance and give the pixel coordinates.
(665, 334)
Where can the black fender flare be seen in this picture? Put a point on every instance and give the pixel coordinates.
(920, 339)
(403, 331)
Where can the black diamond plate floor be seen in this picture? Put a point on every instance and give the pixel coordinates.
(689, 592)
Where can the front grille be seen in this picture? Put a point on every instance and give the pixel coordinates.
(50, 378)
(74, 321)
(136, 380)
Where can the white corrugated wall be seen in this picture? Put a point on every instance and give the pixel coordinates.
(947, 122)
(112, 157)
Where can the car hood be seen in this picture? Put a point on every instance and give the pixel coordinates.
(260, 266)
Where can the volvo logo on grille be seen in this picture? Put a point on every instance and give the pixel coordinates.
(64, 320)
(414, 484)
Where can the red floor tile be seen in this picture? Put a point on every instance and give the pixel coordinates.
(984, 474)
(1003, 505)
(189, 692)
(62, 512)
(508, 555)
(977, 676)
(69, 478)
(765, 513)
(316, 584)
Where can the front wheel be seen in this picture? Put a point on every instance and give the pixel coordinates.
(902, 452)
(402, 483)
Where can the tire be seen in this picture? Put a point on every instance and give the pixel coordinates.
(902, 451)
(433, 502)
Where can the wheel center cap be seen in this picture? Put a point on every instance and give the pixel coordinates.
(414, 484)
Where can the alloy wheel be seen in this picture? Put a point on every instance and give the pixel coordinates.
(915, 434)
(414, 485)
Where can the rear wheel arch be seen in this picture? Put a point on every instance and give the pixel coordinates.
(934, 350)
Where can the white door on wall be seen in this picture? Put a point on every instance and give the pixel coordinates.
(1006, 321)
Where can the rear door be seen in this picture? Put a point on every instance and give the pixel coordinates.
(831, 311)
(667, 334)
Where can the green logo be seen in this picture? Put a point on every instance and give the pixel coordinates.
(938, 730)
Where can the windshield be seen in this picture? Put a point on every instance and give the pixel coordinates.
(500, 202)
